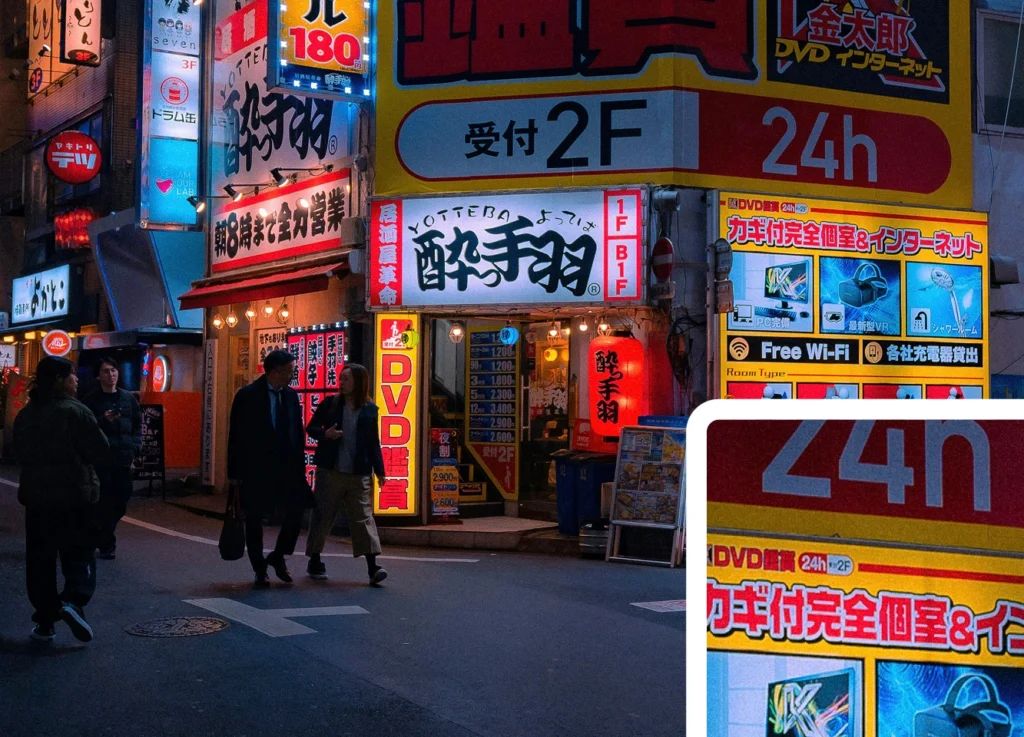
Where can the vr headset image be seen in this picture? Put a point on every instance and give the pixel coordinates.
(989, 718)
(865, 288)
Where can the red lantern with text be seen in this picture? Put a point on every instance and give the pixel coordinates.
(616, 373)
(71, 229)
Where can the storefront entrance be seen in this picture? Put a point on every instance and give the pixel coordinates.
(506, 394)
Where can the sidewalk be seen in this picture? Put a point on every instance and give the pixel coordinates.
(484, 533)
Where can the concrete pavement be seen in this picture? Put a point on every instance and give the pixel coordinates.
(455, 643)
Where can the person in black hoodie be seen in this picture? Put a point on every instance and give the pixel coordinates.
(56, 441)
(120, 418)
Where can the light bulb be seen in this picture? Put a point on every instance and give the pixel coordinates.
(583, 326)
(231, 320)
(567, 330)
(268, 309)
(218, 321)
(285, 312)
(553, 332)
(250, 313)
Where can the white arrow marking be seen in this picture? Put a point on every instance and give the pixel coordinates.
(271, 622)
(664, 607)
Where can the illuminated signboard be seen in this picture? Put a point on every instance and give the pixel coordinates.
(321, 47)
(41, 296)
(80, 32)
(837, 300)
(397, 369)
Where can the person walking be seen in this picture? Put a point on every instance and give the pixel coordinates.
(348, 451)
(56, 441)
(266, 458)
(120, 418)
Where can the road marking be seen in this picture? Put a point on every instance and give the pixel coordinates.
(207, 541)
(664, 607)
(13, 484)
(271, 622)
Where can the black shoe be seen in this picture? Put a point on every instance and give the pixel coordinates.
(106, 554)
(377, 576)
(43, 633)
(75, 619)
(261, 582)
(316, 569)
(280, 567)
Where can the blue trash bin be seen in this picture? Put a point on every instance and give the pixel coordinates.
(566, 473)
(592, 470)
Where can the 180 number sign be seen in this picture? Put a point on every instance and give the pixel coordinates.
(321, 47)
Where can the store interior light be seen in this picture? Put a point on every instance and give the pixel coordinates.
(8, 339)
(250, 312)
(268, 309)
(218, 321)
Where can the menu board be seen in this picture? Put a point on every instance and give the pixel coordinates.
(444, 473)
(492, 407)
(319, 360)
(649, 476)
(149, 466)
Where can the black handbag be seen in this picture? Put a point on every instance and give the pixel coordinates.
(232, 536)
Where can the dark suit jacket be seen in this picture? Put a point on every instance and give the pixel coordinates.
(269, 474)
(368, 458)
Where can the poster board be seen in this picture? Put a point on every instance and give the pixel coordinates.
(649, 480)
(150, 463)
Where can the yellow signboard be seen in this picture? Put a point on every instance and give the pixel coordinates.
(397, 383)
(320, 47)
(841, 300)
(827, 639)
(865, 101)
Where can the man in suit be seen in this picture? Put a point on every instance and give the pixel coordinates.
(266, 457)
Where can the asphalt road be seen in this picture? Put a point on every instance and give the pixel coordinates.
(456, 643)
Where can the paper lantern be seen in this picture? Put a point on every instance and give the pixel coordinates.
(616, 386)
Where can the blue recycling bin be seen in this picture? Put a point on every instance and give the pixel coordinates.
(592, 470)
(566, 475)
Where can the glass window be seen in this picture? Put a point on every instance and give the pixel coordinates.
(998, 42)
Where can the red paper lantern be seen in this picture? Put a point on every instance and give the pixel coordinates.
(616, 386)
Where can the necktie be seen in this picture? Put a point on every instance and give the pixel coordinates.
(281, 418)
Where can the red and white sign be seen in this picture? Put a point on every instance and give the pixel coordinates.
(73, 157)
(80, 32)
(161, 374)
(956, 471)
(663, 258)
(616, 384)
(558, 247)
(281, 222)
(57, 343)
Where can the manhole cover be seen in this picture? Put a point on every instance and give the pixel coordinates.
(177, 627)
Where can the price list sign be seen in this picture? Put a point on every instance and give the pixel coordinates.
(492, 407)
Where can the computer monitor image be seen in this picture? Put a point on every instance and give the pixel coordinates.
(787, 283)
(812, 706)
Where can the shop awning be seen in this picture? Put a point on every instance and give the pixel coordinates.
(255, 289)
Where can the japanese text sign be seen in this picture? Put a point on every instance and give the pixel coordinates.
(925, 482)
(44, 24)
(616, 373)
(836, 300)
(397, 368)
(320, 47)
(492, 407)
(41, 296)
(856, 640)
(569, 247)
(169, 97)
(73, 157)
(80, 32)
(863, 100)
(278, 223)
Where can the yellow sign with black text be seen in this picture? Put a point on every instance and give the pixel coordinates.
(841, 300)
(858, 100)
(829, 639)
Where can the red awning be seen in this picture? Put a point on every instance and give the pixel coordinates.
(287, 284)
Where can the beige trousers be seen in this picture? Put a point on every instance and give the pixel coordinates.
(334, 490)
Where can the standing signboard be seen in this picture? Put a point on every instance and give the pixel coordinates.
(321, 47)
(209, 412)
(569, 247)
(492, 407)
(859, 100)
(150, 465)
(169, 114)
(845, 300)
(397, 368)
(648, 490)
(444, 473)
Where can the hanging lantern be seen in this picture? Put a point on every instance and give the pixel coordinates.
(508, 335)
(616, 383)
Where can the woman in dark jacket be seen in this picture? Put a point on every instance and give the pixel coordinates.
(56, 440)
(348, 451)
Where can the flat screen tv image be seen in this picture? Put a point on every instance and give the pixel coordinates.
(811, 706)
(766, 695)
(772, 293)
